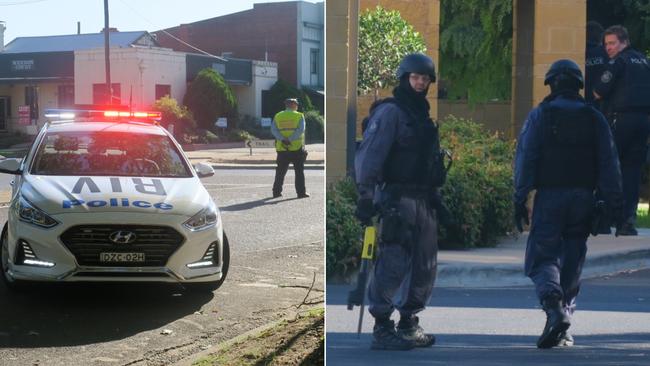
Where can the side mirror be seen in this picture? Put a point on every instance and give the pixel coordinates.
(10, 166)
(204, 170)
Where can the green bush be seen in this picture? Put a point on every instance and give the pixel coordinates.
(343, 230)
(282, 90)
(314, 127)
(478, 191)
(10, 140)
(253, 126)
(209, 97)
(174, 114)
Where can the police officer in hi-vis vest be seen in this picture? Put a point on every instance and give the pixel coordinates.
(288, 128)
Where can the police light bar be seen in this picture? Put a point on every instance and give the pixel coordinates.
(68, 114)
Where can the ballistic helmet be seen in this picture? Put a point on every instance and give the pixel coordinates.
(564, 67)
(418, 63)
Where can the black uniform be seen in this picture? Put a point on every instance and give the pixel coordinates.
(595, 60)
(625, 89)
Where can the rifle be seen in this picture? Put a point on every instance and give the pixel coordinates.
(358, 294)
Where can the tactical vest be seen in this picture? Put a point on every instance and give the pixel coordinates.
(413, 158)
(595, 61)
(569, 148)
(632, 92)
(287, 122)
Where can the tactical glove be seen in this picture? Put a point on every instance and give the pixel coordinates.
(521, 216)
(442, 211)
(365, 211)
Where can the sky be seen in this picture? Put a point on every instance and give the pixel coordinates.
(25, 18)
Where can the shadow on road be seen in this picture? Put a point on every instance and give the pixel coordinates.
(252, 204)
(79, 314)
(479, 349)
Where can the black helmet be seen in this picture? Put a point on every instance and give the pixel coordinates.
(565, 67)
(418, 63)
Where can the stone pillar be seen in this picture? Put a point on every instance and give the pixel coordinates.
(543, 32)
(338, 20)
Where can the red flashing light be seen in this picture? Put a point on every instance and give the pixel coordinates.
(147, 115)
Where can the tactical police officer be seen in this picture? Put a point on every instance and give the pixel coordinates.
(565, 151)
(595, 59)
(624, 88)
(288, 128)
(396, 173)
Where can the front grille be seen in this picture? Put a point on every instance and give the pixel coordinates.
(86, 242)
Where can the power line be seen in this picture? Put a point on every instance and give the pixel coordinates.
(22, 2)
(167, 33)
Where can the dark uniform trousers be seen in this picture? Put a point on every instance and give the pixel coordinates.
(631, 134)
(408, 261)
(557, 243)
(297, 158)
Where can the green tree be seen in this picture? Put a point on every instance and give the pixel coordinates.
(209, 97)
(384, 38)
(175, 114)
(476, 49)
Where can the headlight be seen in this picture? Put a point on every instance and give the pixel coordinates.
(29, 213)
(206, 218)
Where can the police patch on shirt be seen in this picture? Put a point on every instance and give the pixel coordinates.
(373, 127)
(607, 77)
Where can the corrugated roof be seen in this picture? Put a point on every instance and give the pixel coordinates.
(73, 42)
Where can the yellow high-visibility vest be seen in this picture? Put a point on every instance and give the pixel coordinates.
(287, 122)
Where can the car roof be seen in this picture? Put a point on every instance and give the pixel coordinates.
(106, 126)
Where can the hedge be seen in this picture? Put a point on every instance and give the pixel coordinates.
(478, 193)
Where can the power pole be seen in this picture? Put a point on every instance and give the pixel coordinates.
(107, 60)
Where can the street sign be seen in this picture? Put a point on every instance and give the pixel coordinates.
(266, 122)
(221, 122)
(262, 143)
(24, 118)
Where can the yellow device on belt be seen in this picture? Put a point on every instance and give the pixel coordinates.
(369, 240)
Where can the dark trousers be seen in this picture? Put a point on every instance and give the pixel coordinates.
(557, 243)
(408, 262)
(297, 158)
(631, 136)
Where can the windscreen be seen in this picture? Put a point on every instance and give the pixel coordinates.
(108, 154)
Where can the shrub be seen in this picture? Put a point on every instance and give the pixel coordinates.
(343, 230)
(282, 90)
(252, 125)
(174, 114)
(209, 97)
(314, 127)
(478, 191)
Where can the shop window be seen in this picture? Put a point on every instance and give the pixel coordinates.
(162, 90)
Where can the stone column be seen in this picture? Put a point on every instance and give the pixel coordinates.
(543, 31)
(339, 70)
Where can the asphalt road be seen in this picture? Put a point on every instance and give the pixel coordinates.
(277, 251)
(499, 326)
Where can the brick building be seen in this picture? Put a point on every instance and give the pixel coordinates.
(288, 33)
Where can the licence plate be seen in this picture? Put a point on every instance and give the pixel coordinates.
(121, 257)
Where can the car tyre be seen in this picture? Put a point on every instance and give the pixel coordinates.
(212, 286)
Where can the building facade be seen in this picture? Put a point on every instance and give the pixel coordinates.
(290, 34)
(38, 73)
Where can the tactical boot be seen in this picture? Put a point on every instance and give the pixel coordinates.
(557, 322)
(627, 229)
(566, 340)
(384, 337)
(409, 328)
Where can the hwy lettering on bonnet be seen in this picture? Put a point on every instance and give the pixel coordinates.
(155, 188)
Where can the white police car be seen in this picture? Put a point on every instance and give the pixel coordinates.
(110, 196)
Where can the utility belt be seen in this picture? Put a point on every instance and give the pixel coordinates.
(406, 189)
(614, 117)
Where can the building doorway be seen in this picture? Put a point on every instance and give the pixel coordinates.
(4, 113)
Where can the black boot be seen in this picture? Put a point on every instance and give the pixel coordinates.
(566, 340)
(409, 329)
(384, 337)
(557, 322)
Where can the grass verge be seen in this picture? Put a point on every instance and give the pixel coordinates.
(299, 341)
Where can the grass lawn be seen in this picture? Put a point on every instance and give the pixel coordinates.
(642, 216)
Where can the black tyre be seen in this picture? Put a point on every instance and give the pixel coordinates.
(211, 286)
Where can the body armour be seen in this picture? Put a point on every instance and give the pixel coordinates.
(414, 157)
(633, 88)
(595, 61)
(569, 143)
